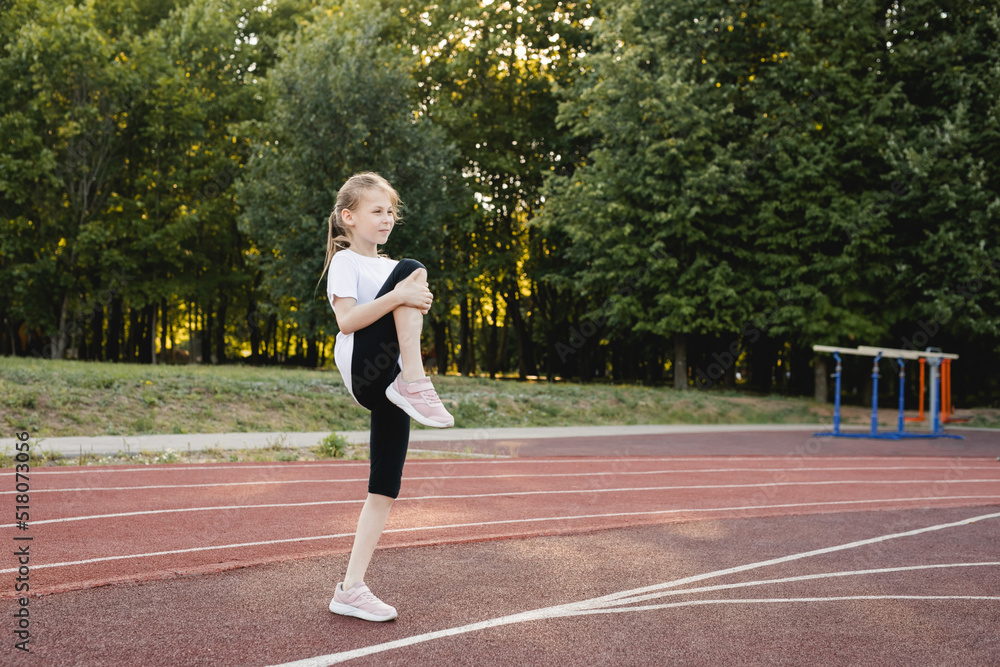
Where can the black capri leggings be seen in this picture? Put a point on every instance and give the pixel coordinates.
(374, 365)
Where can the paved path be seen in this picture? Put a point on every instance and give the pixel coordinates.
(501, 440)
(109, 444)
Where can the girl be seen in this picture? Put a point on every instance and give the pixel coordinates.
(379, 304)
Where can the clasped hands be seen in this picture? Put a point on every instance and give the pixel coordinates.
(413, 292)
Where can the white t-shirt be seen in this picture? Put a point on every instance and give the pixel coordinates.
(356, 277)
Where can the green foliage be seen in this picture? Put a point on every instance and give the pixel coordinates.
(943, 197)
(333, 446)
(338, 102)
(742, 159)
(586, 182)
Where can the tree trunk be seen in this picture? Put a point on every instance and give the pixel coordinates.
(58, 341)
(312, 352)
(466, 356)
(91, 349)
(146, 335)
(206, 335)
(270, 339)
(220, 330)
(819, 376)
(254, 326)
(132, 337)
(288, 342)
(618, 374)
(154, 310)
(440, 327)
(762, 363)
(492, 353)
(164, 323)
(680, 362)
(801, 383)
(194, 352)
(113, 347)
(525, 350)
(7, 335)
(729, 378)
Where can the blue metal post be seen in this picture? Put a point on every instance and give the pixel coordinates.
(902, 380)
(836, 400)
(875, 394)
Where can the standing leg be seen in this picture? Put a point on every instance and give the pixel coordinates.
(371, 523)
(390, 436)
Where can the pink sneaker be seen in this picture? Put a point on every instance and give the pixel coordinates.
(420, 401)
(359, 601)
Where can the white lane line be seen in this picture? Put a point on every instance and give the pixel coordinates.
(171, 552)
(562, 461)
(501, 494)
(600, 603)
(219, 508)
(193, 486)
(512, 476)
(803, 577)
(479, 524)
(207, 467)
(686, 487)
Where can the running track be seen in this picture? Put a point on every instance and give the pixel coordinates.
(792, 559)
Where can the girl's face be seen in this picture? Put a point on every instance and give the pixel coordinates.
(370, 222)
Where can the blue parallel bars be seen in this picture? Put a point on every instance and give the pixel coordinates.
(933, 358)
(874, 432)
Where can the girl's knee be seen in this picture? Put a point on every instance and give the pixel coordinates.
(409, 266)
(383, 493)
(384, 499)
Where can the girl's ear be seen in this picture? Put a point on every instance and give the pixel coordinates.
(347, 218)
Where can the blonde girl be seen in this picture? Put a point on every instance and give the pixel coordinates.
(379, 304)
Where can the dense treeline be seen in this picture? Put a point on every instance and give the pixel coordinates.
(668, 192)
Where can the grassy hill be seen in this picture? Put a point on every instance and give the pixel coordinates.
(72, 398)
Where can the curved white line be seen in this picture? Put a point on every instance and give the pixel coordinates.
(597, 603)
(693, 603)
(804, 577)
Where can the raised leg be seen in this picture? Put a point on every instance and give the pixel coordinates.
(409, 323)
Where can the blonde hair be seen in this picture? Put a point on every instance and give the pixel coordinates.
(348, 198)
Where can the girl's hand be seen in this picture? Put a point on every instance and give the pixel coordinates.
(413, 292)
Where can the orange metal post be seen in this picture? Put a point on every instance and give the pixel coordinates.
(921, 417)
(947, 408)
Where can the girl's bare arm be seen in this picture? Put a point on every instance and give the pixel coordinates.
(411, 291)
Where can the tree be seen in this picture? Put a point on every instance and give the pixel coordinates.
(486, 76)
(63, 119)
(652, 241)
(338, 102)
(940, 192)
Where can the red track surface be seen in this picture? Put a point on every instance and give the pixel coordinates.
(589, 527)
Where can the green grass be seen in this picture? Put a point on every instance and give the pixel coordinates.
(73, 398)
